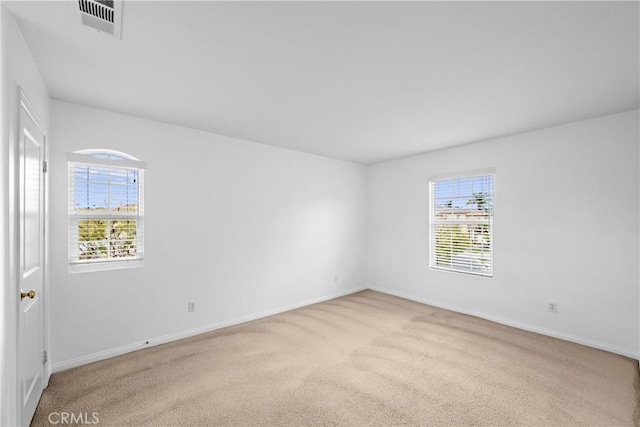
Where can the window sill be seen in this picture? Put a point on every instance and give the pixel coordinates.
(87, 267)
(466, 273)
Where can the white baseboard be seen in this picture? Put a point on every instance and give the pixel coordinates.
(106, 354)
(543, 331)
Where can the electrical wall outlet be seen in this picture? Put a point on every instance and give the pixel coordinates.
(335, 278)
(191, 306)
(553, 307)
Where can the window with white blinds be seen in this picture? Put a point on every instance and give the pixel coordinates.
(106, 212)
(461, 224)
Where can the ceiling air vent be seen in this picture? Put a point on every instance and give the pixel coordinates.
(102, 15)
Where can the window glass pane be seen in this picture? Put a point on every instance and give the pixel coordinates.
(122, 239)
(92, 239)
(123, 198)
(99, 188)
(98, 196)
(103, 238)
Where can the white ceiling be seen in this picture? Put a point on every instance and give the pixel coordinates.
(359, 81)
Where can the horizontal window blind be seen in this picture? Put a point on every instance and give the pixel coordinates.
(461, 224)
(106, 213)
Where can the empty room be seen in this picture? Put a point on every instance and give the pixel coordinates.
(305, 213)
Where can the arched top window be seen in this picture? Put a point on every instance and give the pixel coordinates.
(106, 210)
(102, 153)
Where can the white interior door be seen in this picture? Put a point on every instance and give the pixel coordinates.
(31, 344)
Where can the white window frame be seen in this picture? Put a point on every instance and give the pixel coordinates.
(433, 222)
(115, 159)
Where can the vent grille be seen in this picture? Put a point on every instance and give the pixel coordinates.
(101, 9)
(102, 15)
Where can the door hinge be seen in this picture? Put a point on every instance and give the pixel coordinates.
(44, 359)
(44, 166)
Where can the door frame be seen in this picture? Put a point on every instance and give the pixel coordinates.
(14, 239)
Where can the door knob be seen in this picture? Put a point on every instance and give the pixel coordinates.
(31, 294)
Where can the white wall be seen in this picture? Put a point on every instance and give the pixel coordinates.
(566, 231)
(18, 69)
(241, 228)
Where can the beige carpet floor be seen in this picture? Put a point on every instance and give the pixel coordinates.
(366, 359)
